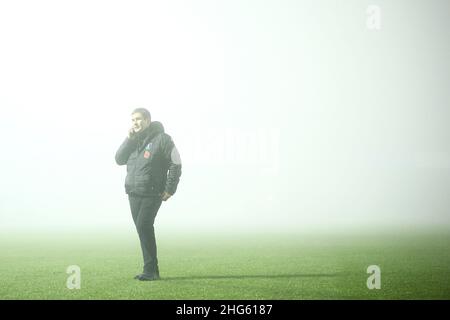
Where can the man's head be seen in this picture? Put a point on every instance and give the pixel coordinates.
(141, 119)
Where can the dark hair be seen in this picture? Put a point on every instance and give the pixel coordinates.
(145, 113)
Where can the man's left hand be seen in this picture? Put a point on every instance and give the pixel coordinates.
(165, 196)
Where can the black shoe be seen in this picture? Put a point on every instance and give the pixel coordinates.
(148, 277)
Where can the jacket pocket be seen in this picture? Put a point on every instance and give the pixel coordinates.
(144, 184)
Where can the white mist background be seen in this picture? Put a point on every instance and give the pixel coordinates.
(289, 115)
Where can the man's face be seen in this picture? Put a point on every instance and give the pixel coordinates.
(139, 122)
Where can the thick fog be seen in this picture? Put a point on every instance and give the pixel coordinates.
(288, 115)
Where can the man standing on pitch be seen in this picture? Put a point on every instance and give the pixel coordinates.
(153, 172)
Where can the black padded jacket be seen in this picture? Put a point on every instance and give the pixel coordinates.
(153, 162)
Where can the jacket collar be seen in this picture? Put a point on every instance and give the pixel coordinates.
(150, 132)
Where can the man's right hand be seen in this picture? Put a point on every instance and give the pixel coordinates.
(131, 133)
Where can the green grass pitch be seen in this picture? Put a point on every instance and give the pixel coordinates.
(234, 266)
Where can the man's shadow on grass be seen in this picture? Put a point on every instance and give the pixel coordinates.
(255, 276)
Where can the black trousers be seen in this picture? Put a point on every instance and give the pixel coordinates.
(144, 210)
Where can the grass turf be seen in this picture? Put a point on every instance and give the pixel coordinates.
(258, 266)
